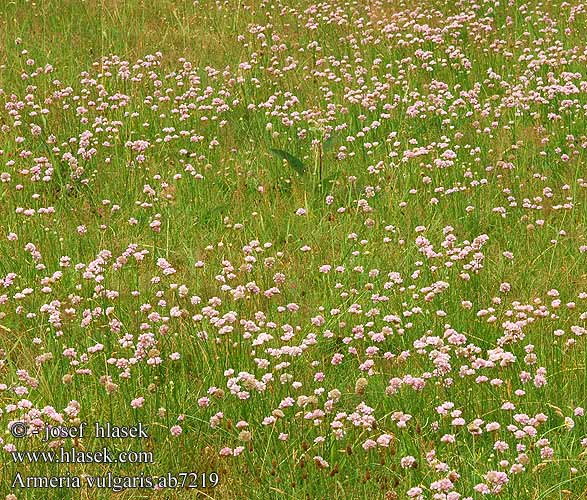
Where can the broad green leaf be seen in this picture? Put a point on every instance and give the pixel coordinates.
(328, 144)
(296, 163)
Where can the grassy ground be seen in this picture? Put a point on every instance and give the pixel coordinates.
(340, 246)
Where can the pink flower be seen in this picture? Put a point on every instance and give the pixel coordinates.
(138, 402)
(369, 444)
(415, 492)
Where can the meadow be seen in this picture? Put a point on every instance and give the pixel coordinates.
(330, 250)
